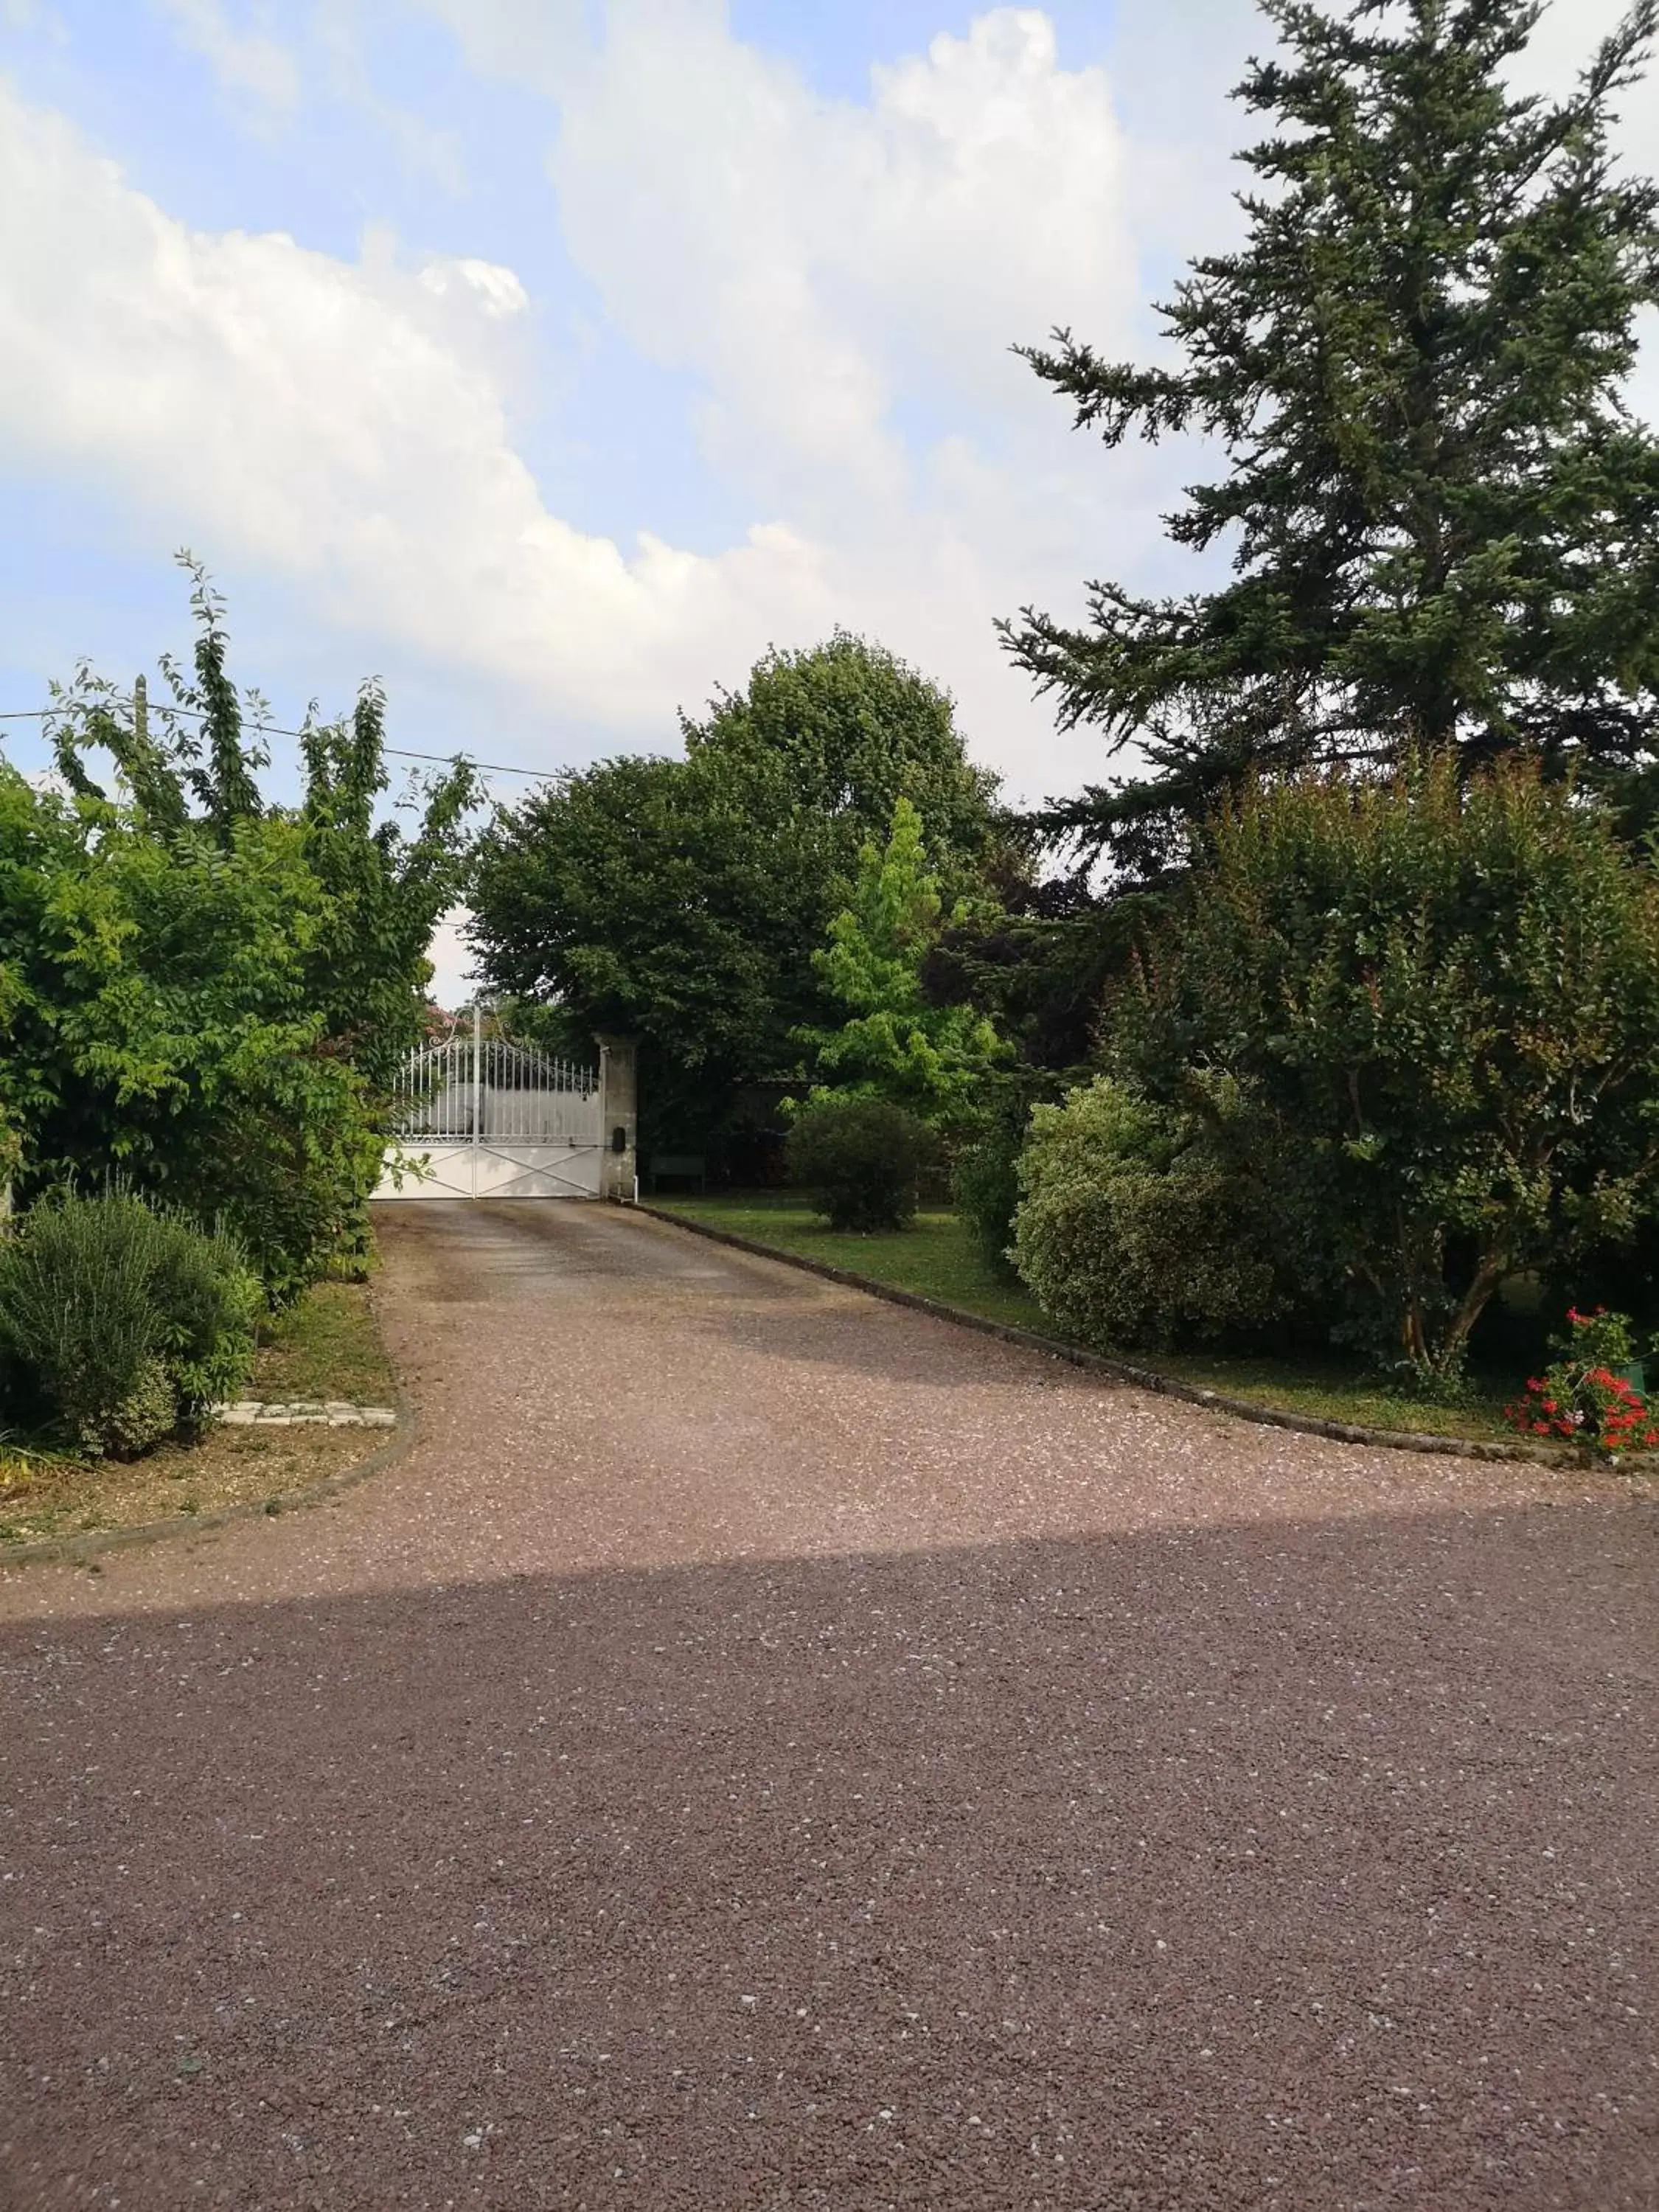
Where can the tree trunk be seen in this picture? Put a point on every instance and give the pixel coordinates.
(1487, 1276)
(1414, 1337)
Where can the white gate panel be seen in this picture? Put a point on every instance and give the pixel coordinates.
(537, 1171)
(482, 1118)
(493, 1171)
(428, 1171)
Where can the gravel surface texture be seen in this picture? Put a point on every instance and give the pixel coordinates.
(764, 1747)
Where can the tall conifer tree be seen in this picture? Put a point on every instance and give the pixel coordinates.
(1444, 522)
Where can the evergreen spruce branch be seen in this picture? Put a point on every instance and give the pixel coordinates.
(1442, 515)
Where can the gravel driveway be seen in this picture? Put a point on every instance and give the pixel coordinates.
(764, 1748)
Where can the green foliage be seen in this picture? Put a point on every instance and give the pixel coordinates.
(1443, 524)
(859, 1158)
(1599, 1338)
(841, 732)
(985, 1173)
(650, 897)
(1042, 962)
(121, 1322)
(163, 1022)
(381, 888)
(204, 992)
(1441, 1008)
(985, 1191)
(893, 1043)
(1136, 1228)
(682, 901)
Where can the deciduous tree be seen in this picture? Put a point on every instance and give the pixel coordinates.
(892, 1042)
(683, 901)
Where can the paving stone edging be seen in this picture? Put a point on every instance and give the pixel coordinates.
(93, 1541)
(1122, 1371)
(303, 1413)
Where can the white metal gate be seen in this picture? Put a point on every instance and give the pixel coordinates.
(480, 1118)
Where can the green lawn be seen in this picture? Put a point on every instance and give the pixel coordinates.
(938, 1258)
(327, 1345)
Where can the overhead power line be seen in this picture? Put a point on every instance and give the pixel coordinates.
(273, 730)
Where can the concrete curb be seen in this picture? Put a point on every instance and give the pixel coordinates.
(1122, 1370)
(77, 1550)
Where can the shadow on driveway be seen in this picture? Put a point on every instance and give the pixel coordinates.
(1305, 1865)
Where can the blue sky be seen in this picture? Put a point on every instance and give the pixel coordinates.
(550, 358)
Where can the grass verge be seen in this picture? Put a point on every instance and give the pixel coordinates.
(937, 1258)
(328, 1346)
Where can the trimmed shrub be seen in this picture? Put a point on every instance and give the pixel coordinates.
(121, 1323)
(985, 1191)
(858, 1159)
(1135, 1230)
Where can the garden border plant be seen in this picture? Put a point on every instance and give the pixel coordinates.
(858, 1158)
(1435, 1004)
(121, 1320)
(1587, 1395)
(226, 1452)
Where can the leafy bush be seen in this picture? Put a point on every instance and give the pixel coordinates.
(120, 1323)
(202, 990)
(1443, 1002)
(985, 1172)
(858, 1159)
(1134, 1229)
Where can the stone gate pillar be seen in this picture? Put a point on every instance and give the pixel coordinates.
(619, 1089)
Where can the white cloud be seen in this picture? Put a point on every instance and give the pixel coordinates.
(531, 42)
(816, 260)
(346, 425)
(842, 280)
(846, 280)
(249, 65)
(301, 412)
(496, 291)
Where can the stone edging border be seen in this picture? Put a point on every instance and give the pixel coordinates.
(303, 1413)
(77, 1550)
(1144, 1378)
